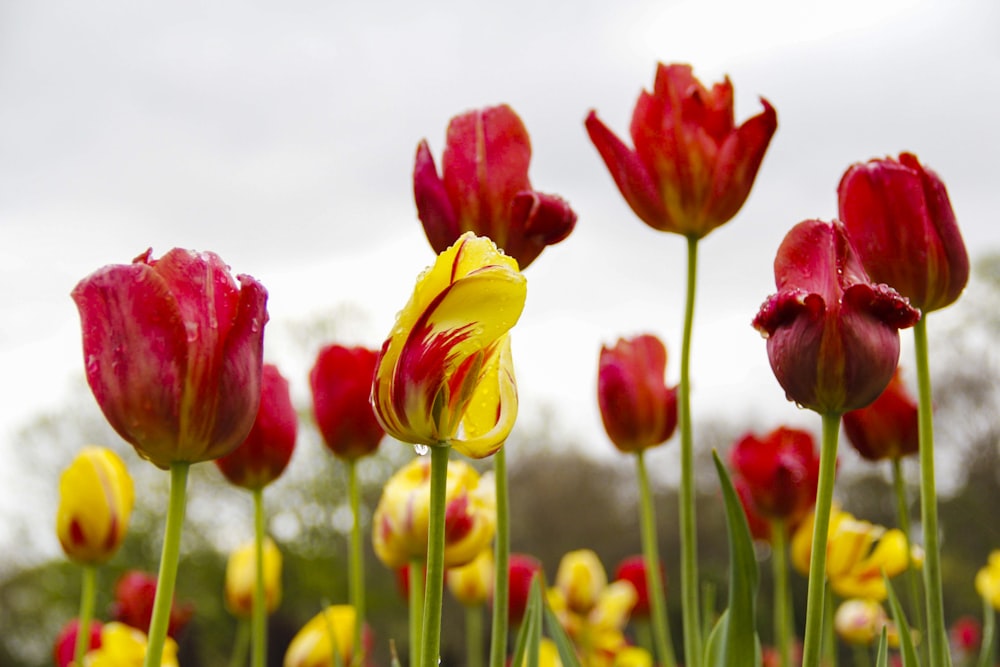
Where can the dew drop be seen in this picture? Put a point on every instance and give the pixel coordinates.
(421, 450)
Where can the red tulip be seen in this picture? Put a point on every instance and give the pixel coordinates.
(65, 646)
(901, 222)
(484, 188)
(133, 603)
(341, 383)
(966, 634)
(637, 407)
(173, 351)
(832, 336)
(268, 447)
(886, 429)
(633, 570)
(692, 168)
(781, 471)
(522, 570)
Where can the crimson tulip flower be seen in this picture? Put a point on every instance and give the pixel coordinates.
(265, 453)
(832, 335)
(173, 350)
(65, 644)
(633, 570)
(781, 471)
(341, 383)
(484, 188)
(692, 168)
(900, 220)
(888, 428)
(133, 603)
(637, 407)
(522, 570)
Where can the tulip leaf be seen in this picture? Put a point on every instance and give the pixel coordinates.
(906, 646)
(567, 655)
(735, 636)
(883, 650)
(987, 648)
(530, 625)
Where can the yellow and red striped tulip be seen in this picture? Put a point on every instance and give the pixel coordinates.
(125, 646)
(241, 573)
(330, 630)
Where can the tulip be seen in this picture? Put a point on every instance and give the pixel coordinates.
(888, 428)
(633, 570)
(900, 220)
(692, 168)
(988, 580)
(445, 375)
(472, 584)
(267, 449)
(400, 523)
(522, 571)
(638, 409)
(133, 603)
(173, 353)
(965, 635)
(241, 573)
(341, 383)
(832, 335)
(125, 646)
(95, 503)
(859, 621)
(484, 188)
(65, 644)
(325, 639)
(781, 471)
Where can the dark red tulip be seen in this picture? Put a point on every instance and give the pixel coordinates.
(900, 220)
(341, 382)
(781, 471)
(692, 168)
(637, 407)
(886, 429)
(268, 447)
(633, 570)
(173, 353)
(484, 188)
(65, 645)
(522, 569)
(832, 335)
(133, 603)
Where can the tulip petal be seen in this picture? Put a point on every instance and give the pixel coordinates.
(434, 208)
(492, 409)
(738, 161)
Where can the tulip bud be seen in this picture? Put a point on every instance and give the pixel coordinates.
(522, 570)
(633, 570)
(241, 578)
(472, 584)
(267, 449)
(341, 383)
(581, 578)
(988, 580)
(888, 428)
(65, 645)
(859, 622)
(327, 638)
(781, 471)
(133, 603)
(95, 503)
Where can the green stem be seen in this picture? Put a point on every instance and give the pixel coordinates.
(88, 597)
(937, 638)
(817, 560)
(688, 522)
(431, 646)
(829, 631)
(862, 656)
(163, 602)
(782, 601)
(356, 584)
(987, 649)
(416, 577)
(240, 642)
(473, 636)
(643, 634)
(903, 520)
(258, 619)
(501, 557)
(654, 581)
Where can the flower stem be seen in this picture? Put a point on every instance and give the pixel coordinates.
(987, 649)
(473, 636)
(782, 601)
(821, 526)
(163, 602)
(501, 557)
(654, 581)
(357, 564)
(258, 629)
(240, 642)
(903, 520)
(937, 639)
(88, 596)
(688, 522)
(431, 643)
(416, 577)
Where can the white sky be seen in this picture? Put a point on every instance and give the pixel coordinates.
(281, 136)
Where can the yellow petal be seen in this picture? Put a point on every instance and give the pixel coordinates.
(492, 409)
(241, 578)
(312, 644)
(95, 502)
(581, 578)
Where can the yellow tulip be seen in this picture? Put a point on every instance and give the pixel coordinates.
(859, 622)
(125, 646)
(399, 526)
(581, 578)
(95, 503)
(988, 580)
(241, 576)
(472, 584)
(445, 376)
(314, 645)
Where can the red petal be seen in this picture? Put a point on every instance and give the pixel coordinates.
(433, 206)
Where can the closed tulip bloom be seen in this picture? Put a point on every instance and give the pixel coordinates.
(988, 580)
(692, 168)
(781, 471)
(95, 503)
(65, 644)
(445, 376)
(832, 335)
(638, 409)
(886, 429)
(125, 646)
(581, 578)
(400, 523)
(326, 640)
(901, 222)
(173, 351)
(341, 383)
(133, 603)
(633, 570)
(265, 453)
(522, 570)
(241, 574)
(484, 188)
(472, 583)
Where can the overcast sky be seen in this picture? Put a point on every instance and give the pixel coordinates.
(282, 135)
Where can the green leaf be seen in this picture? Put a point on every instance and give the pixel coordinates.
(734, 638)
(530, 625)
(882, 660)
(567, 654)
(906, 645)
(987, 650)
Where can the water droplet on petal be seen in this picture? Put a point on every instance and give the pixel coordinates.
(421, 450)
